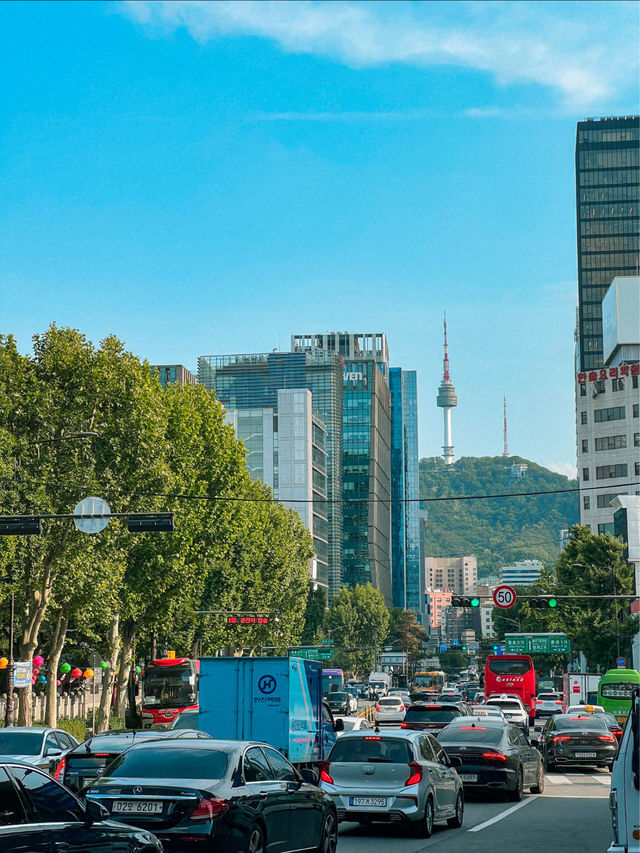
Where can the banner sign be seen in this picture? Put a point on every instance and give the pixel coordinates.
(22, 673)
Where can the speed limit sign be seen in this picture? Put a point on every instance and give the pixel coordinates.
(504, 597)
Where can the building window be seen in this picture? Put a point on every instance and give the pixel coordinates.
(585, 445)
(586, 502)
(604, 501)
(585, 475)
(611, 442)
(636, 439)
(613, 413)
(608, 472)
(583, 417)
(599, 387)
(583, 390)
(636, 409)
(637, 469)
(634, 381)
(617, 384)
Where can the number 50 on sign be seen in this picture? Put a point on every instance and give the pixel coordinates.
(504, 597)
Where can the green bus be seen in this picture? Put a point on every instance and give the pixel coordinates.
(614, 692)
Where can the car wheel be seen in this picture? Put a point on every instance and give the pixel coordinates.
(329, 837)
(539, 788)
(456, 822)
(425, 827)
(256, 841)
(518, 792)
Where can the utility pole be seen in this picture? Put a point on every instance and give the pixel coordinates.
(8, 716)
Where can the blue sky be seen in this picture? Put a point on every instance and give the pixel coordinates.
(203, 178)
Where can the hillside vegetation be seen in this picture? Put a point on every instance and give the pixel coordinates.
(498, 531)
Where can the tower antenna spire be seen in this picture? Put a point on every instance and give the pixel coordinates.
(505, 452)
(446, 400)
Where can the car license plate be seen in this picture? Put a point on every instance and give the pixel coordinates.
(136, 807)
(376, 802)
(468, 777)
(585, 754)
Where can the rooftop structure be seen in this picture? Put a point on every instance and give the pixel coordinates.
(446, 400)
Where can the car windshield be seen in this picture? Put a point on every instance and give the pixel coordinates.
(489, 736)
(336, 696)
(173, 763)
(590, 723)
(510, 705)
(20, 743)
(392, 700)
(548, 697)
(416, 714)
(617, 690)
(372, 748)
(509, 667)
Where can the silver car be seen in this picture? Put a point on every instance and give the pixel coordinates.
(402, 777)
(40, 747)
(548, 705)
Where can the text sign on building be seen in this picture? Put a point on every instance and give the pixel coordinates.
(609, 373)
(504, 597)
(546, 644)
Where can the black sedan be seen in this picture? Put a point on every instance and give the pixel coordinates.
(38, 815)
(570, 739)
(87, 762)
(495, 755)
(218, 795)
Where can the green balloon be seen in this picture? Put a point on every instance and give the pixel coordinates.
(65, 668)
(138, 670)
(104, 664)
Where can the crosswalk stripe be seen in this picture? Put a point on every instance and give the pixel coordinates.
(604, 780)
(559, 779)
(556, 779)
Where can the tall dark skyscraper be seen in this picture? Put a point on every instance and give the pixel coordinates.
(608, 220)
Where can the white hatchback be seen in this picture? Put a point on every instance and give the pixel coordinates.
(390, 709)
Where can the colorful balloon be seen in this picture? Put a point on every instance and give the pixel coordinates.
(4, 663)
(35, 670)
(38, 660)
(76, 673)
(42, 679)
(58, 683)
(65, 668)
(138, 670)
(104, 664)
(88, 673)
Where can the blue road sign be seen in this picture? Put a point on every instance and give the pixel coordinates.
(620, 661)
(443, 647)
(455, 642)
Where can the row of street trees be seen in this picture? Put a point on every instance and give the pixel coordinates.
(154, 450)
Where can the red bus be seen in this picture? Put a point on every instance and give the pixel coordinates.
(169, 686)
(512, 674)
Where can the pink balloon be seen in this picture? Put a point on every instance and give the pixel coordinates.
(33, 679)
(35, 670)
(58, 683)
(38, 660)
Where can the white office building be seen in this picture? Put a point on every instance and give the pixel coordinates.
(524, 572)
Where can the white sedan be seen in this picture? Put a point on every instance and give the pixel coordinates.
(390, 709)
(355, 724)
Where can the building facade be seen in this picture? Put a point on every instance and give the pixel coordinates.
(524, 572)
(174, 374)
(407, 570)
(607, 164)
(458, 574)
(366, 453)
(286, 450)
(253, 381)
(438, 601)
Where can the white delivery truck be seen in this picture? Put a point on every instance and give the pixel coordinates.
(625, 786)
(380, 682)
(579, 688)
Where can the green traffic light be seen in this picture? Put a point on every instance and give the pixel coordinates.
(464, 648)
(475, 602)
(553, 602)
(495, 648)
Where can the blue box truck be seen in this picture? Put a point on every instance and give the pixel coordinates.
(273, 699)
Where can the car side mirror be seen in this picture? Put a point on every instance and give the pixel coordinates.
(534, 741)
(455, 761)
(52, 751)
(96, 811)
(338, 725)
(309, 775)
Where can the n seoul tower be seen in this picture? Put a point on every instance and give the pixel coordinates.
(446, 400)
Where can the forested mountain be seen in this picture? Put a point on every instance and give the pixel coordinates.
(500, 530)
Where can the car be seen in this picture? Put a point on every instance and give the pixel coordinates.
(355, 724)
(393, 777)
(451, 696)
(613, 725)
(495, 756)
(513, 710)
(41, 747)
(585, 709)
(480, 698)
(547, 704)
(188, 719)
(218, 795)
(403, 694)
(423, 696)
(40, 815)
(577, 739)
(492, 711)
(433, 716)
(390, 709)
(341, 702)
(87, 761)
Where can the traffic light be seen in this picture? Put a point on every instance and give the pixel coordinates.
(464, 648)
(20, 525)
(495, 648)
(464, 601)
(151, 522)
(543, 602)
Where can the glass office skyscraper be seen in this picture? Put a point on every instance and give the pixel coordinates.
(608, 222)
(406, 567)
(252, 381)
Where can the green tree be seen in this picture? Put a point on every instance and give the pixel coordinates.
(358, 622)
(451, 662)
(314, 615)
(406, 634)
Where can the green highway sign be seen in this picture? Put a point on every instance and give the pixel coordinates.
(326, 642)
(548, 644)
(312, 652)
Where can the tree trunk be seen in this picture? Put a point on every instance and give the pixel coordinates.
(57, 643)
(126, 661)
(109, 677)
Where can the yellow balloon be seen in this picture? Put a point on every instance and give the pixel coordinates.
(88, 673)
(3, 663)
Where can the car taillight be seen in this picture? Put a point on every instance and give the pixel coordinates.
(210, 808)
(498, 757)
(416, 773)
(402, 707)
(324, 773)
(404, 726)
(538, 701)
(60, 768)
(377, 707)
(617, 732)
(558, 738)
(607, 738)
(557, 702)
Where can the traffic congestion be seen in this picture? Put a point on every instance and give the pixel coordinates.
(275, 754)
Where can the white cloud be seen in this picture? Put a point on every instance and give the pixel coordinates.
(563, 46)
(567, 468)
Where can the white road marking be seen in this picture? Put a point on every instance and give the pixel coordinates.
(557, 779)
(604, 780)
(502, 814)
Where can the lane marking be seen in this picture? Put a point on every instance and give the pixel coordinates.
(503, 814)
(604, 780)
(558, 779)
